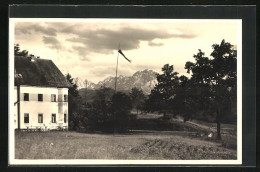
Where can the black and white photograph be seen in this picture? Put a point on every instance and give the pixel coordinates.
(125, 91)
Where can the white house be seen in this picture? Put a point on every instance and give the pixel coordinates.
(41, 95)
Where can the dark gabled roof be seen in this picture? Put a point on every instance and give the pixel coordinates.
(40, 72)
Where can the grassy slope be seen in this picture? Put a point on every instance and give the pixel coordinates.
(72, 145)
(151, 138)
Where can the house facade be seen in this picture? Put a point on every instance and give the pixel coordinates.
(41, 95)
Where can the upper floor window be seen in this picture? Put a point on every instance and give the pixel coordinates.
(40, 118)
(26, 118)
(40, 97)
(53, 97)
(65, 98)
(26, 96)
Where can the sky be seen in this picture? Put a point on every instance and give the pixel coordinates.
(88, 48)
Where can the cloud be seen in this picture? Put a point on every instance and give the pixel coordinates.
(81, 51)
(45, 30)
(28, 28)
(106, 40)
(154, 44)
(89, 39)
(51, 42)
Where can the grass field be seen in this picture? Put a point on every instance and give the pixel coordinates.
(73, 145)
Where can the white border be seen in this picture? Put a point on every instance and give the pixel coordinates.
(13, 161)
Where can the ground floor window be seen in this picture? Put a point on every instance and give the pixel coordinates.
(53, 118)
(65, 118)
(26, 118)
(40, 118)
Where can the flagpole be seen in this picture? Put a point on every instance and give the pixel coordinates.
(116, 67)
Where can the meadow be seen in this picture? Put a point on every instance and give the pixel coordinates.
(135, 146)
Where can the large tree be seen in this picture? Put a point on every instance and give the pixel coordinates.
(214, 80)
(162, 96)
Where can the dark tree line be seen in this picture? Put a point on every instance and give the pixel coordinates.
(109, 112)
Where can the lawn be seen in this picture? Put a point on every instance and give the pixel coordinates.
(73, 145)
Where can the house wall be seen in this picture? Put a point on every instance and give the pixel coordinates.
(45, 107)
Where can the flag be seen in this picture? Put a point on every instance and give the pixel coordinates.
(124, 55)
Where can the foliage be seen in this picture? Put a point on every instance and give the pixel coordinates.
(215, 80)
(120, 111)
(162, 97)
(137, 97)
(17, 51)
(98, 115)
(75, 118)
(73, 91)
(109, 111)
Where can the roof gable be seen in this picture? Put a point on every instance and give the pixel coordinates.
(40, 72)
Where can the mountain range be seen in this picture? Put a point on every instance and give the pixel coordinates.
(144, 80)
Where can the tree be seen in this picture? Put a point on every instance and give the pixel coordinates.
(73, 101)
(99, 113)
(120, 111)
(17, 51)
(137, 97)
(109, 112)
(215, 80)
(164, 92)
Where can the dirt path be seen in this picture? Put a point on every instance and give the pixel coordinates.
(209, 127)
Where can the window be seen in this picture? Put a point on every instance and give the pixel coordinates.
(26, 96)
(40, 118)
(53, 97)
(65, 98)
(53, 118)
(65, 118)
(40, 97)
(26, 118)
